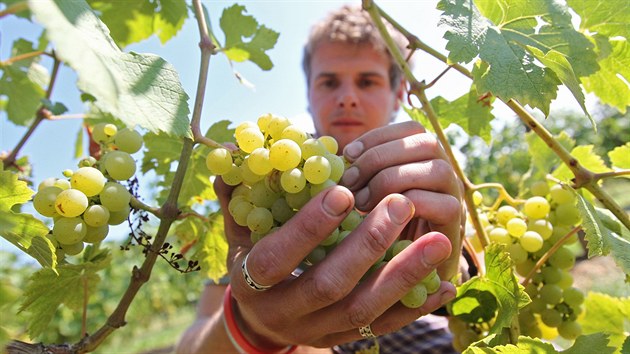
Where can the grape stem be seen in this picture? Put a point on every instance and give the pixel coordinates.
(23, 57)
(548, 254)
(14, 8)
(169, 212)
(137, 204)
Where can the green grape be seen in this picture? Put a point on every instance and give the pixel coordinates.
(457, 325)
(219, 161)
(331, 239)
(118, 217)
(516, 227)
(128, 140)
(48, 182)
(398, 246)
(233, 177)
(71, 203)
(239, 207)
(517, 253)
(525, 267)
(281, 210)
(67, 173)
(500, 235)
(96, 215)
(261, 196)
(551, 294)
(337, 167)
(329, 143)
(293, 180)
(63, 184)
(263, 121)
(260, 220)
(258, 161)
(551, 274)
(538, 305)
(249, 139)
(242, 190)
(542, 226)
(96, 234)
(299, 199)
(316, 169)
(317, 188)
(415, 297)
(44, 200)
(72, 249)
(342, 235)
(312, 147)
(561, 195)
(294, 133)
(104, 132)
(563, 258)
(276, 126)
(87, 162)
(573, 297)
(316, 255)
(432, 282)
(88, 180)
(477, 198)
(351, 221)
(567, 214)
(69, 230)
(566, 281)
(505, 213)
(120, 165)
(285, 154)
(540, 188)
(569, 330)
(114, 197)
(551, 317)
(536, 207)
(531, 241)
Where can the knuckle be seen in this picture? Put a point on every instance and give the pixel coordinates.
(376, 239)
(443, 169)
(266, 266)
(325, 290)
(359, 315)
(407, 278)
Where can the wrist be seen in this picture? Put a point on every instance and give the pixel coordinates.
(245, 341)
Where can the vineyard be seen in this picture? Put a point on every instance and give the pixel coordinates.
(544, 191)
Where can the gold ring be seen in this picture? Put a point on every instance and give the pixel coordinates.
(366, 332)
(248, 278)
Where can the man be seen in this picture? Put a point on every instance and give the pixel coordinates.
(399, 173)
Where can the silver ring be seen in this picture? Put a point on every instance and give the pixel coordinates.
(248, 278)
(366, 332)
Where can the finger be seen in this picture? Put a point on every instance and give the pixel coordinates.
(333, 278)
(386, 286)
(276, 256)
(379, 136)
(395, 317)
(432, 175)
(408, 149)
(236, 235)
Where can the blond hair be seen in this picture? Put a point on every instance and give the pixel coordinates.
(350, 24)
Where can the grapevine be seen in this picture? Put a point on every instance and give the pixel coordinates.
(523, 246)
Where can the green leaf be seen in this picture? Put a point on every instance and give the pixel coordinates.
(497, 31)
(23, 230)
(606, 17)
(245, 39)
(544, 160)
(78, 144)
(620, 157)
(585, 155)
(469, 111)
(557, 62)
(525, 345)
(213, 253)
(134, 21)
(46, 291)
(610, 83)
(139, 89)
(23, 88)
(605, 314)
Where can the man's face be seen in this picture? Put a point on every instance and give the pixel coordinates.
(349, 92)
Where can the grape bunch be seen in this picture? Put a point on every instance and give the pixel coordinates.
(89, 199)
(277, 169)
(529, 232)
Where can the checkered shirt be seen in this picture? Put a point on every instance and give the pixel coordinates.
(426, 335)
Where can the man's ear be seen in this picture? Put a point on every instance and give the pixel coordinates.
(400, 93)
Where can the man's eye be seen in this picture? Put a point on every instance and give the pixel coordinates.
(329, 83)
(366, 83)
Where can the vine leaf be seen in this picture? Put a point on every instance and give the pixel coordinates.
(22, 83)
(620, 157)
(604, 313)
(245, 39)
(23, 230)
(47, 290)
(212, 254)
(498, 33)
(587, 158)
(134, 21)
(584, 344)
(140, 89)
(543, 159)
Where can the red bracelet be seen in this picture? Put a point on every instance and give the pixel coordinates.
(234, 333)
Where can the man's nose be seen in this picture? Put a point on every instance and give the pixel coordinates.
(347, 97)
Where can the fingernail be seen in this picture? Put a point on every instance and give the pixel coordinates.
(399, 210)
(336, 202)
(361, 198)
(350, 177)
(353, 150)
(434, 253)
